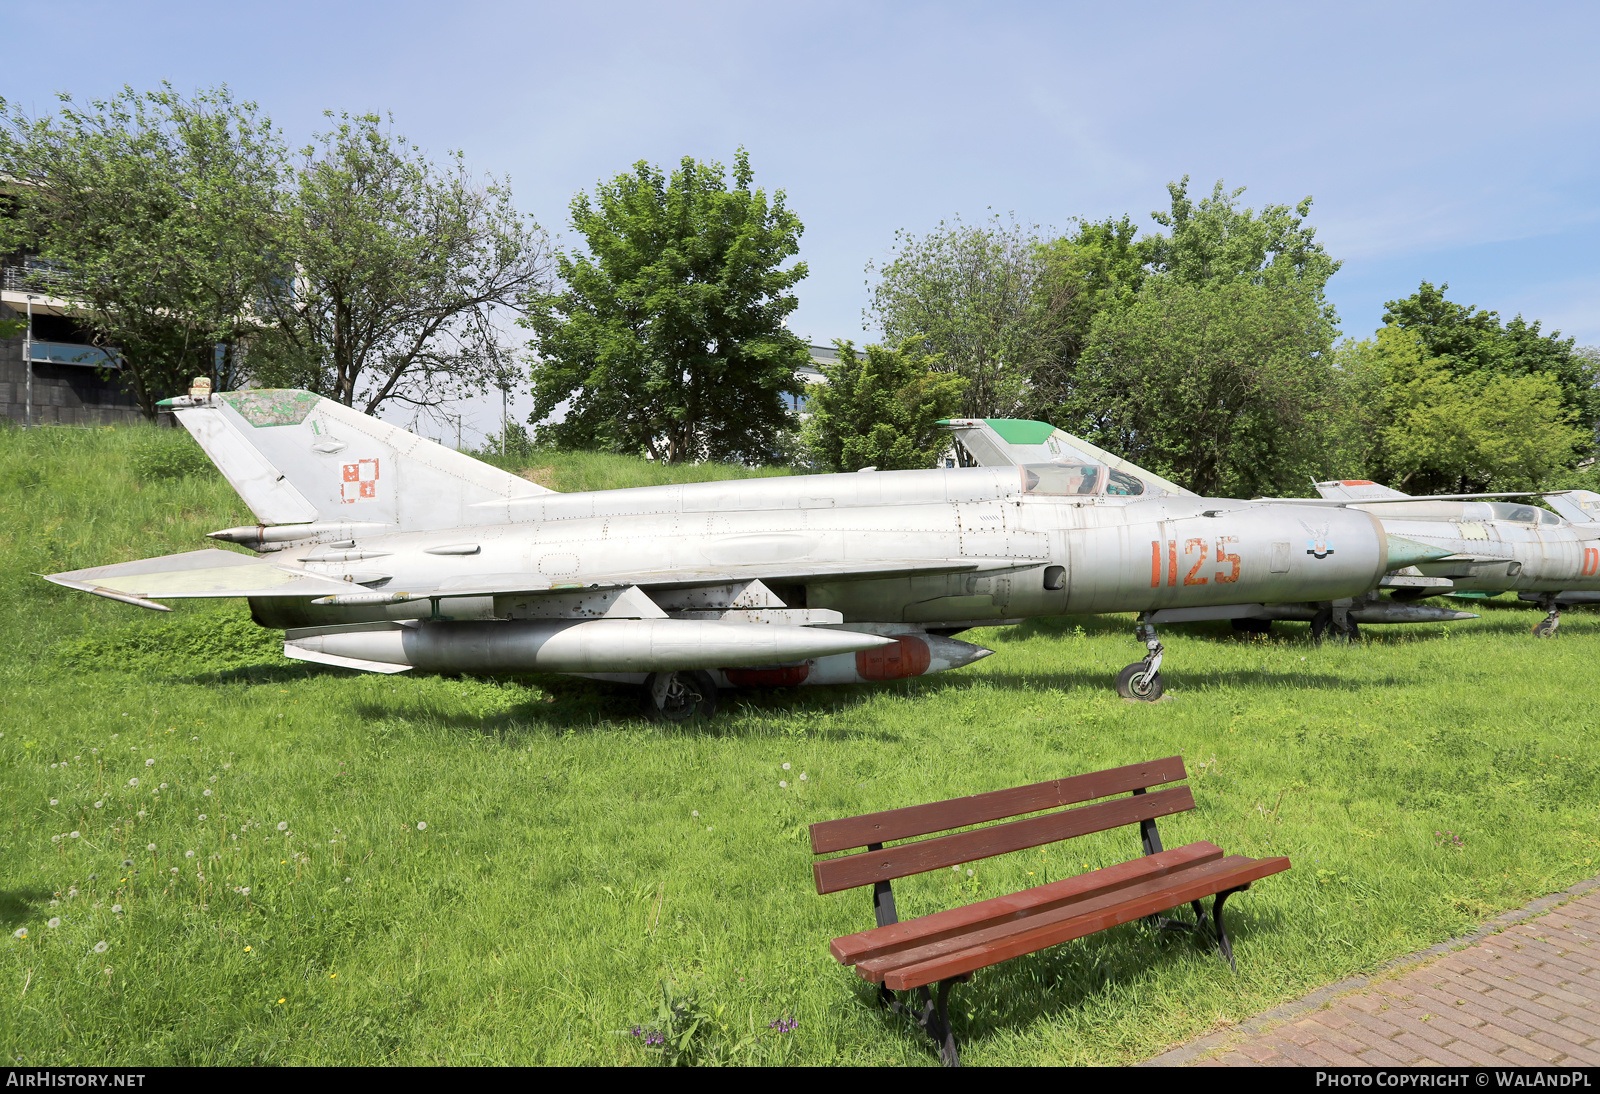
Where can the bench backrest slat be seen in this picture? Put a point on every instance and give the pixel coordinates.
(920, 820)
(931, 854)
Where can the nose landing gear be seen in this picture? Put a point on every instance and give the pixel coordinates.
(1546, 627)
(1142, 679)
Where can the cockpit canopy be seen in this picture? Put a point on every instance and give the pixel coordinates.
(1052, 462)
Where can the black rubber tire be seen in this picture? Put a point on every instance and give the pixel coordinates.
(1320, 623)
(1130, 686)
(1544, 629)
(1351, 633)
(1252, 626)
(692, 693)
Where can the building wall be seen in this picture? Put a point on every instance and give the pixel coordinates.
(62, 394)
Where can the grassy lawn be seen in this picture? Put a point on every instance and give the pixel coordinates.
(296, 910)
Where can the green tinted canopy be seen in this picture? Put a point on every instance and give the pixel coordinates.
(1020, 431)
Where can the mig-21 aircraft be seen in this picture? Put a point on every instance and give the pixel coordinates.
(1496, 546)
(381, 551)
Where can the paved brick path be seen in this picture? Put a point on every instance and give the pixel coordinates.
(1522, 990)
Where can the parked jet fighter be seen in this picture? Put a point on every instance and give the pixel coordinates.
(381, 551)
(1495, 546)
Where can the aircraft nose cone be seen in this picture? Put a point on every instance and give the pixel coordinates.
(1408, 552)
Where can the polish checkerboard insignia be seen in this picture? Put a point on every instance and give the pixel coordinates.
(360, 482)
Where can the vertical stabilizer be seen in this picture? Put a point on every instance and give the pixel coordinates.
(296, 457)
(1578, 506)
(1356, 490)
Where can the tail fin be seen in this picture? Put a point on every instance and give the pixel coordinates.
(1356, 490)
(296, 457)
(1578, 506)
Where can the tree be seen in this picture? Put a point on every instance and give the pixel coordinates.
(980, 300)
(1224, 386)
(1437, 428)
(1465, 340)
(394, 269)
(669, 335)
(147, 211)
(881, 409)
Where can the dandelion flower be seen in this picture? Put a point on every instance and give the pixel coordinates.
(245, 891)
(163, 786)
(149, 847)
(207, 792)
(55, 839)
(282, 1001)
(347, 881)
(54, 801)
(97, 805)
(969, 873)
(422, 826)
(174, 870)
(188, 854)
(247, 949)
(695, 813)
(53, 922)
(782, 785)
(213, 778)
(73, 835)
(786, 767)
(133, 782)
(20, 932)
(283, 826)
(802, 776)
(116, 909)
(149, 763)
(202, 816)
(100, 947)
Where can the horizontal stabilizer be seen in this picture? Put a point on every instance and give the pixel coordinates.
(1578, 506)
(209, 573)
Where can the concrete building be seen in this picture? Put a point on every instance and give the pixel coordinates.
(74, 383)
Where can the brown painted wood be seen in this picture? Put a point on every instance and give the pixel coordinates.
(1205, 880)
(920, 820)
(921, 856)
(896, 937)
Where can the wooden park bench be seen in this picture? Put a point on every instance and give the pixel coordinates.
(947, 947)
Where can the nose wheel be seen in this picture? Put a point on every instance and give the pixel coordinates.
(1142, 679)
(1546, 627)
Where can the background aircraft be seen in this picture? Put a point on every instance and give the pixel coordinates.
(381, 551)
(1552, 559)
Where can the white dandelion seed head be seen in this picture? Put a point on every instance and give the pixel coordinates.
(108, 970)
(149, 847)
(802, 776)
(245, 890)
(98, 804)
(55, 839)
(72, 892)
(173, 870)
(101, 947)
(782, 785)
(133, 782)
(786, 767)
(969, 873)
(422, 826)
(20, 932)
(149, 763)
(283, 826)
(163, 786)
(202, 816)
(206, 792)
(73, 835)
(708, 828)
(695, 813)
(226, 766)
(213, 778)
(116, 909)
(54, 801)
(188, 854)
(53, 922)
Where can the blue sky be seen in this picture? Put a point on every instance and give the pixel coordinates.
(1454, 142)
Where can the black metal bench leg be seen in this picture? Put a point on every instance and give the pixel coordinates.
(1222, 931)
(936, 1020)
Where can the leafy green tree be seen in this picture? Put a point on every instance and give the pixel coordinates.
(398, 270)
(669, 335)
(1467, 340)
(980, 299)
(881, 409)
(1223, 385)
(147, 212)
(1434, 427)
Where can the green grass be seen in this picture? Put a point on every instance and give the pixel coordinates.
(575, 857)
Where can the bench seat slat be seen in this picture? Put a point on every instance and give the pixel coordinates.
(1027, 937)
(883, 941)
(920, 820)
(921, 856)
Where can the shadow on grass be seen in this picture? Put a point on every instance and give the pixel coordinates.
(1014, 995)
(18, 905)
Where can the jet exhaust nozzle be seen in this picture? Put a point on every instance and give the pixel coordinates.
(598, 645)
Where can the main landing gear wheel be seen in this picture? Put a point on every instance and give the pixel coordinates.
(1545, 628)
(679, 696)
(1137, 682)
